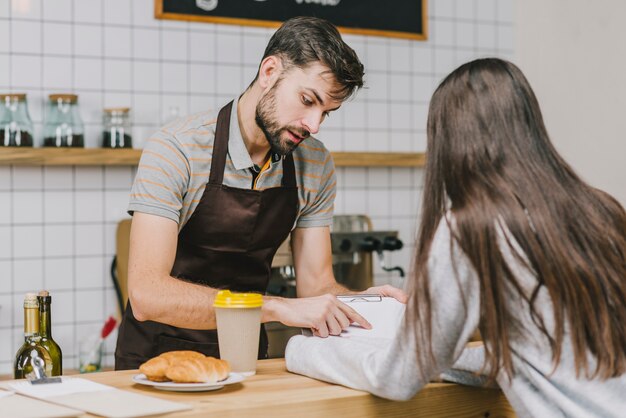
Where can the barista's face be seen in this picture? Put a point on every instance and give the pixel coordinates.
(294, 107)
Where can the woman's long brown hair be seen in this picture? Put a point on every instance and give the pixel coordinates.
(490, 154)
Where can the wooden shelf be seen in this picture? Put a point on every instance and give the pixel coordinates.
(379, 159)
(68, 156)
(121, 157)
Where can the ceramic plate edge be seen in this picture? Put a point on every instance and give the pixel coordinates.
(231, 379)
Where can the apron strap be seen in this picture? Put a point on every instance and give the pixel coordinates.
(289, 172)
(220, 145)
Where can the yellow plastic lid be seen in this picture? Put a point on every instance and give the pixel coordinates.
(228, 299)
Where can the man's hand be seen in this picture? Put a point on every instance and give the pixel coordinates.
(388, 290)
(325, 314)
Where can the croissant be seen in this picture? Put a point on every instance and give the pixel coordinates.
(198, 370)
(155, 368)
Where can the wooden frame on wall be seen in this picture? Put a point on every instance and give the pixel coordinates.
(405, 19)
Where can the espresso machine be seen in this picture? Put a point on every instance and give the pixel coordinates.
(354, 243)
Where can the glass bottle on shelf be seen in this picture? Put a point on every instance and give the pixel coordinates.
(45, 331)
(63, 126)
(32, 349)
(116, 128)
(16, 127)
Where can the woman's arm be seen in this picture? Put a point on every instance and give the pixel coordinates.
(389, 368)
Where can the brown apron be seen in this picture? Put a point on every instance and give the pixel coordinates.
(228, 243)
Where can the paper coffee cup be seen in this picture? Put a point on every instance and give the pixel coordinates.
(238, 328)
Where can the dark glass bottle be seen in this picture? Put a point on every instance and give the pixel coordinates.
(16, 127)
(63, 126)
(32, 348)
(45, 331)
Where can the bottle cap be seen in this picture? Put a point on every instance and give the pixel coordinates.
(44, 293)
(227, 299)
(30, 300)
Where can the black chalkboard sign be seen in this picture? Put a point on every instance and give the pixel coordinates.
(395, 18)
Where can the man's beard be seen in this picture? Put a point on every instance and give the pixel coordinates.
(266, 120)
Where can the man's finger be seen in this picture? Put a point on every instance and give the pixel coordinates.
(354, 316)
(333, 325)
(397, 294)
(342, 319)
(390, 291)
(321, 330)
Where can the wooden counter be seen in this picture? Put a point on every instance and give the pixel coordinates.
(274, 392)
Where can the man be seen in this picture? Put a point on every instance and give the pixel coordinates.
(266, 174)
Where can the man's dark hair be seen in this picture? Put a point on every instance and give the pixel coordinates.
(303, 40)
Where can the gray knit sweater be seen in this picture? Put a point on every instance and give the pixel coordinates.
(389, 368)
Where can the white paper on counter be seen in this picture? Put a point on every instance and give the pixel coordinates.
(5, 393)
(384, 315)
(118, 403)
(98, 399)
(69, 385)
(18, 406)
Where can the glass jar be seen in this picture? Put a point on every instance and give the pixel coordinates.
(16, 127)
(116, 128)
(63, 126)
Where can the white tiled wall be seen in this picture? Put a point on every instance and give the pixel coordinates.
(57, 224)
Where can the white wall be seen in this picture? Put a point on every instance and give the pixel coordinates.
(574, 55)
(57, 224)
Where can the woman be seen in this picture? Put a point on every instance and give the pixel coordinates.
(511, 240)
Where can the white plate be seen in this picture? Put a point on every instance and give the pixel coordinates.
(188, 387)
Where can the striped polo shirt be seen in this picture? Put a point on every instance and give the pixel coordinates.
(176, 162)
